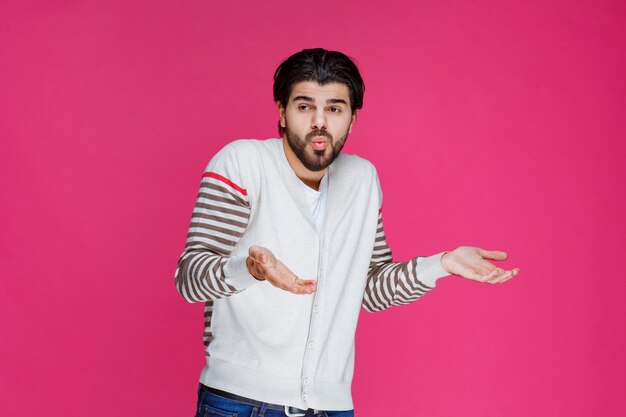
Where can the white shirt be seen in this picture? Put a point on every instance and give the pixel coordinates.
(317, 201)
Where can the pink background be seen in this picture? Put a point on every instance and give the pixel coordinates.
(496, 124)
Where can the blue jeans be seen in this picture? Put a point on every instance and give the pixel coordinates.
(212, 405)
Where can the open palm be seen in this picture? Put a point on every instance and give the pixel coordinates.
(473, 263)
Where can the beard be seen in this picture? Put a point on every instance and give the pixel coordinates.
(315, 160)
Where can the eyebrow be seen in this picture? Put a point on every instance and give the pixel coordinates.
(329, 101)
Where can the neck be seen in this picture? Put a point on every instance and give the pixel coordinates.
(310, 178)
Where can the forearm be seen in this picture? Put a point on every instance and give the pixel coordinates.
(206, 270)
(396, 283)
(202, 275)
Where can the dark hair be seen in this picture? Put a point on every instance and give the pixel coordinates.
(322, 66)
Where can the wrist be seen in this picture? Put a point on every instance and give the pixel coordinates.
(251, 269)
(237, 273)
(443, 262)
(255, 276)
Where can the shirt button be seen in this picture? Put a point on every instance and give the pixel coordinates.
(311, 344)
(304, 397)
(305, 381)
(316, 309)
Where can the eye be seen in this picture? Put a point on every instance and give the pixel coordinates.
(335, 109)
(303, 107)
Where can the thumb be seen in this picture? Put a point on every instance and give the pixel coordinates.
(496, 255)
(258, 254)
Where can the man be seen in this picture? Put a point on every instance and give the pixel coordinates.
(286, 244)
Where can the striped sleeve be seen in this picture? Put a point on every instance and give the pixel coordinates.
(205, 269)
(396, 283)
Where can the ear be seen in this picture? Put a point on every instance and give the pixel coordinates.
(352, 121)
(281, 114)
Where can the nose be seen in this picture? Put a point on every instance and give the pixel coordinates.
(319, 120)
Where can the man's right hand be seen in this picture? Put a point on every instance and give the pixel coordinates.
(263, 265)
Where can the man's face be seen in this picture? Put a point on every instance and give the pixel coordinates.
(317, 120)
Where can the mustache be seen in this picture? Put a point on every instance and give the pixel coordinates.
(318, 132)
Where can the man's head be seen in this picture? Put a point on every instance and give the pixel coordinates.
(322, 66)
(318, 94)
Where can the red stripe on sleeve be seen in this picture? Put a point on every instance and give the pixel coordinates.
(225, 181)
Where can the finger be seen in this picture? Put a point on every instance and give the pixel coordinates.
(480, 273)
(494, 276)
(259, 253)
(496, 255)
(487, 269)
(500, 277)
(295, 284)
(253, 250)
(305, 286)
(508, 275)
(299, 286)
(506, 279)
(514, 273)
(284, 279)
(258, 261)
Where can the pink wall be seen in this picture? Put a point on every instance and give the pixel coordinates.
(491, 123)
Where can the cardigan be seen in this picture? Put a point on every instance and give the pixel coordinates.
(268, 344)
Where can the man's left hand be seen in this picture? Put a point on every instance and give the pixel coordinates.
(472, 263)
